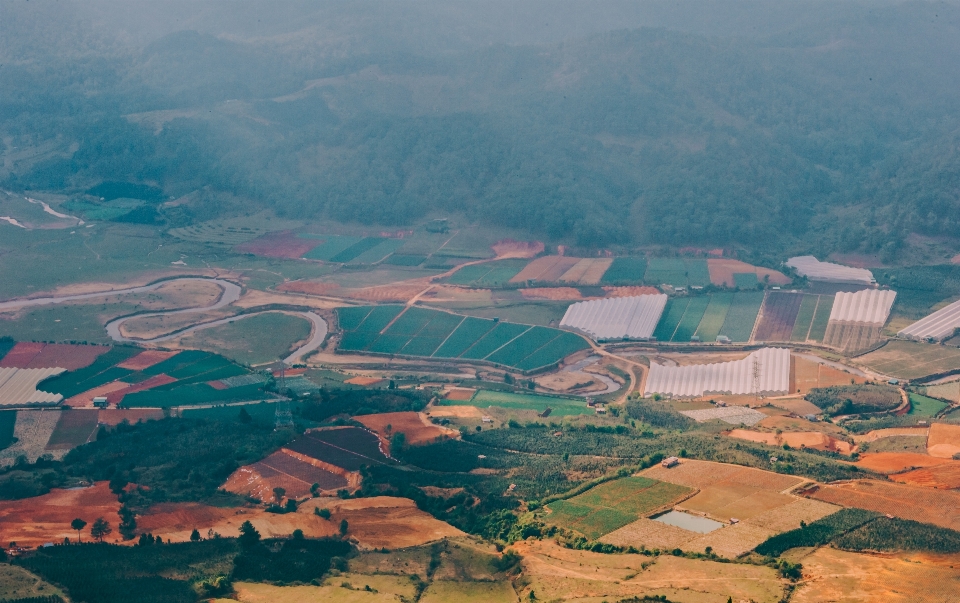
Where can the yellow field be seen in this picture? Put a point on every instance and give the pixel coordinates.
(448, 591)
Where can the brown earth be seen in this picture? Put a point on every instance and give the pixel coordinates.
(460, 394)
(149, 327)
(547, 268)
(568, 381)
(895, 462)
(363, 381)
(86, 398)
(796, 405)
(463, 412)
(283, 244)
(552, 293)
(52, 355)
(309, 287)
(386, 293)
(253, 298)
(890, 432)
(416, 428)
(833, 575)
(807, 375)
(700, 474)
(925, 505)
(630, 291)
(33, 521)
(293, 472)
(944, 477)
(587, 271)
(722, 271)
(944, 440)
(146, 359)
(21, 354)
(508, 248)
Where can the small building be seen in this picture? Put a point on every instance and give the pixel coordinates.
(100, 402)
(811, 418)
(486, 419)
(723, 339)
(670, 461)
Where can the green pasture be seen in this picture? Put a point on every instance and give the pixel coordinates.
(691, 318)
(924, 406)
(672, 314)
(487, 274)
(818, 327)
(559, 406)
(713, 316)
(678, 272)
(745, 280)
(625, 271)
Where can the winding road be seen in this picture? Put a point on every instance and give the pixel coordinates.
(230, 293)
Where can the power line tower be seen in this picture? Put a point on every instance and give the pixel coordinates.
(756, 377)
(283, 418)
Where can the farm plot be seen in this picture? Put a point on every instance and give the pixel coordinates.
(713, 316)
(911, 360)
(725, 273)
(468, 333)
(587, 271)
(546, 269)
(326, 247)
(944, 440)
(52, 355)
(777, 316)
(32, 431)
(671, 317)
(281, 469)
(103, 370)
(612, 505)
(378, 253)
(74, 428)
(691, 319)
(801, 328)
(558, 406)
(415, 430)
(487, 274)
(742, 315)
(625, 271)
(700, 474)
(284, 244)
(348, 448)
(666, 271)
(925, 505)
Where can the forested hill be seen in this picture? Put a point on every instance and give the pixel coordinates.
(777, 126)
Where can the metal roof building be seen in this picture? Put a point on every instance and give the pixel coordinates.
(815, 270)
(764, 372)
(938, 325)
(616, 318)
(871, 306)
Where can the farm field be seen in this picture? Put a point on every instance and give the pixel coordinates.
(671, 317)
(925, 505)
(691, 318)
(32, 431)
(559, 406)
(283, 244)
(801, 328)
(677, 272)
(545, 269)
(30, 355)
(74, 428)
(943, 440)
(625, 271)
(284, 470)
(612, 505)
(488, 274)
(444, 591)
(725, 273)
(425, 332)
(742, 315)
(256, 340)
(700, 474)
(415, 429)
(713, 316)
(47, 518)
(945, 476)
(17, 584)
(217, 233)
(777, 316)
(347, 447)
(588, 271)
(911, 360)
(925, 407)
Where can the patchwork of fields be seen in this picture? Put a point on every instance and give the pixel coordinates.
(432, 333)
(706, 317)
(796, 317)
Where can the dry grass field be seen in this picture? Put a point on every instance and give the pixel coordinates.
(558, 574)
(833, 575)
(925, 505)
(552, 293)
(944, 440)
(547, 268)
(348, 588)
(910, 359)
(629, 291)
(587, 271)
(450, 591)
(700, 474)
(806, 375)
(891, 432)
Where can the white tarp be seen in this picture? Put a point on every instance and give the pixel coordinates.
(617, 318)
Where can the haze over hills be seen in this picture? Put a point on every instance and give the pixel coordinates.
(786, 126)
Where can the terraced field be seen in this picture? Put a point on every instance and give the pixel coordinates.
(432, 333)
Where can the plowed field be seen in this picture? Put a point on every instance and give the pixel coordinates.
(925, 505)
(33, 521)
(284, 244)
(722, 271)
(699, 474)
(777, 316)
(410, 424)
(52, 355)
(944, 477)
(74, 427)
(115, 416)
(548, 268)
(944, 440)
(895, 462)
(146, 359)
(587, 271)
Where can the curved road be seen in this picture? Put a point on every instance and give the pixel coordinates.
(230, 293)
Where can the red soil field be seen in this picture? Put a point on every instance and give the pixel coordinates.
(284, 470)
(217, 385)
(777, 316)
(944, 440)
(309, 287)
(795, 439)
(283, 244)
(925, 505)
(21, 355)
(290, 372)
(553, 293)
(34, 521)
(894, 462)
(74, 427)
(944, 477)
(364, 381)
(722, 271)
(630, 291)
(410, 424)
(86, 398)
(460, 394)
(548, 268)
(508, 248)
(115, 416)
(27, 354)
(155, 381)
(146, 359)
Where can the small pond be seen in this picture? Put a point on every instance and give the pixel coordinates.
(694, 523)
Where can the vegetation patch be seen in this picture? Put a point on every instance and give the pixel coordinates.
(885, 534)
(817, 533)
(853, 399)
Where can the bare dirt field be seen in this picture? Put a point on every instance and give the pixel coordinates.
(363, 380)
(700, 474)
(508, 248)
(630, 291)
(33, 521)
(833, 575)
(894, 462)
(559, 574)
(926, 505)
(944, 440)
(284, 244)
(587, 271)
(552, 293)
(150, 327)
(807, 374)
(890, 432)
(800, 439)
(309, 287)
(796, 405)
(568, 381)
(253, 298)
(910, 359)
(146, 359)
(460, 412)
(32, 355)
(416, 428)
(944, 477)
(386, 293)
(547, 268)
(345, 588)
(722, 271)
(460, 394)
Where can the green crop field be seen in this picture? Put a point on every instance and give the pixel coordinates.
(559, 406)
(425, 332)
(745, 280)
(818, 328)
(713, 316)
(8, 420)
(698, 273)
(742, 315)
(691, 318)
(672, 314)
(804, 318)
(377, 253)
(255, 340)
(625, 271)
(612, 505)
(405, 260)
(924, 406)
(350, 318)
(667, 271)
(488, 274)
(332, 246)
(101, 371)
(360, 247)
(192, 395)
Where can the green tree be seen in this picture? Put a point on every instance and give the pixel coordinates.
(324, 513)
(249, 536)
(195, 535)
(278, 493)
(78, 524)
(100, 529)
(344, 526)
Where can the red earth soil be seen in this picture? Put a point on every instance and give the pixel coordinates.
(74, 428)
(21, 355)
(364, 381)
(292, 372)
(218, 385)
(115, 416)
(34, 521)
(777, 316)
(722, 271)
(146, 359)
(285, 470)
(54, 355)
(893, 462)
(408, 423)
(552, 293)
(944, 477)
(284, 244)
(460, 394)
(309, 287)
(155, 381)
(630, 291)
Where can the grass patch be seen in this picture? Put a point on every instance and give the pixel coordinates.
(924, 406)
(742, 315)
(625, 271)
(255, 340)
(801, 327)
